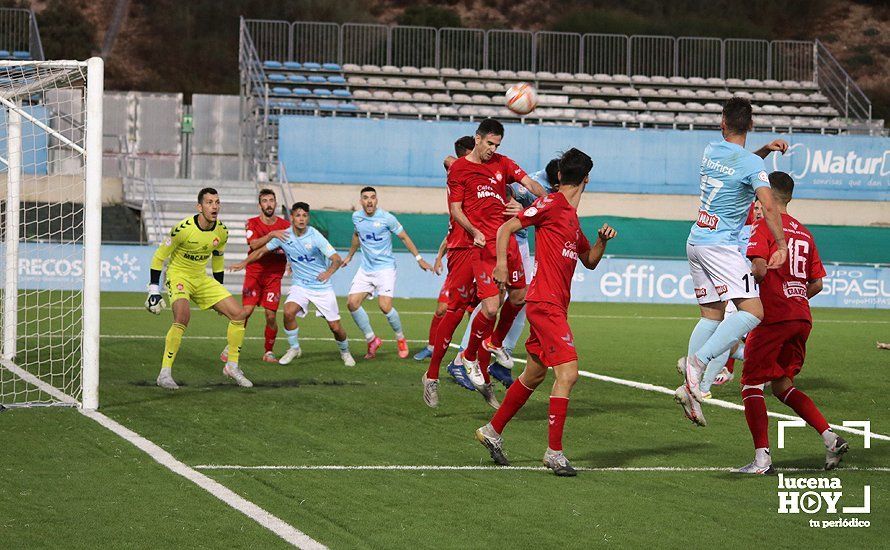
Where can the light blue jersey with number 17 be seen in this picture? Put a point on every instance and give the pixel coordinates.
(729, 177)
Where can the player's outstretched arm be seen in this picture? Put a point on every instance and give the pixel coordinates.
(353, 247)
(779, 145)
(773, 219)
(252, 257)
(409, 244)
(605, 234)
(260, 242)
(533, 186)
(814, 287)
(503, 240)
(457, 212)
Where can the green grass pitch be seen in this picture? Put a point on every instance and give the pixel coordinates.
(66, 481)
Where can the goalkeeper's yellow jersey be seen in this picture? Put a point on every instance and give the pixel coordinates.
(189, 247)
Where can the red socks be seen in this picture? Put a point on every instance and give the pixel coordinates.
(557, 418)
(517, 395)
(270, 334)
(730, 364)
(805, 408)
(434, 327)
(505, 322)
(755, 414)
(480, 330)
(444, 332)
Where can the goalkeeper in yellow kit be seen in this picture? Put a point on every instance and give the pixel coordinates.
(190, 244)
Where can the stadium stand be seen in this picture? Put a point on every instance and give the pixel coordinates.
(20, 38)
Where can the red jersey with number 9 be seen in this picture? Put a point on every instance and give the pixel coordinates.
(783, 291)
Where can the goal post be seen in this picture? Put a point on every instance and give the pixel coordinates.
(51, 228)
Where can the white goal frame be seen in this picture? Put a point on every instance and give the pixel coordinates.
(92, 229)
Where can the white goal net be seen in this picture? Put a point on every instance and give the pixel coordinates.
(50, 173)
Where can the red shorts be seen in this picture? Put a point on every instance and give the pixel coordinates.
(775, 350)
(484, 266)
(262, 288)
(550, 337)
(460, 284)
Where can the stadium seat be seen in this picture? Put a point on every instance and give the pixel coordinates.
(781, 96)
(407, 109)
(618, 103)
(666, 92)
(347, 107)
(281, 90)
(5, 53)
(382, 94)
(408, 69)
(449, 71)
(505, 73)
(762, 96)
(656, 105)
(620, 78)
(645, 118)
(600, 77)
(340, 92)
(638, 79)
(735, 83)
(421, 96)
(660, 80)
(494, 87)
(370, 69)
(322, 92)
(293, 65)
(744, 94)
(447, 110)
(713, 107)
(683, 119)
(455, 85)
(525, 75)
(435, 84)
(790, 84)
(307, 105)
(664, 118)
(270, 64)
(442, 98)
(357, 80)
(636, 104)
(475, 85)
(571, 88)
(753, 83)
(679, 80)
(797, 96)
(599, 104)
(429, 71)
(317, 79)
(414, 83)
(696, 81)
(466, 71)
(297, 78)
(376, 81)
(276, 77)
(809, 110)
(722, 94)
(578, 102)
(771, 83)
(461, 98)
(704, 94)
(480, 99)
(362, 94)
(685, 93)
(592, 90)
(582, 77)
(467, 110)
(401, 96)
(336, 79)
(627, 91)
(714, 81)
(676, 106)
(702, 119)
(693, 106)
(351, 68)
(311, 66)
(488, 73)
(609, 90)
(784, 109)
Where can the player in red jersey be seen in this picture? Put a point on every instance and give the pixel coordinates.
(775, 349)
(478, 203)
(262, 281)
(559, 244)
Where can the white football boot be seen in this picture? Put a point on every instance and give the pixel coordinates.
(233, 371)
(290, 355)
(165, 379)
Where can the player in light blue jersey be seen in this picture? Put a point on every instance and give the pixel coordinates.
(374, 228)
(312, 262)
(524, 197)
(730, 179)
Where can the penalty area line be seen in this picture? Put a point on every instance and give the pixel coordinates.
(482, 468)
(714, 402)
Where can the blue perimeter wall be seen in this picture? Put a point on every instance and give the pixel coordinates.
(126, 269)
(410, 152)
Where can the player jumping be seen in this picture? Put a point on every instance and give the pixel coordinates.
(730, 178)
(191, 243)
(377, 274)
(312, 261)
(478, 202)
(776, 348)
(262, 281)
(560, 244)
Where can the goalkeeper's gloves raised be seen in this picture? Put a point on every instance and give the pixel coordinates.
(155, 302)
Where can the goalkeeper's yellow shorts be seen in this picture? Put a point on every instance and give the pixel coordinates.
(201, 290)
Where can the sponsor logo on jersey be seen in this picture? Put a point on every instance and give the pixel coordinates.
(486, 191)
(794, 289)
(707, 221)
(531, 212)
(700, 292)
(216, 242)
(570, 250)
(196, 257)
(179, 287)
(763, 177)
(715, 165)
(721, 289)
(498, 176)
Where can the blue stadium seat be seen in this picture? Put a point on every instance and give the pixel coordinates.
(331, 67)
(307, 105)
(310, 66)
(347, 107)
(19, 54)
(293, 65)
(284, 104)
(5, 53)
(327, 105)
(336, 79)
(341, 93)
(321, 92)
(317, 79)
(302, 91)
(270, 64)
(297, 78)
(281, 90)
(275, 77)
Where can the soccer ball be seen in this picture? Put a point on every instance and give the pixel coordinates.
(522, 98)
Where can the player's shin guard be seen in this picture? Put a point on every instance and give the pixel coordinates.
(727, 334)
(703, 330)
(559, 406)
(804, 407)
(508, 314)
(395, 322)
(269, 338)
(171, 344)
(360, 316)
(449, 322)
(482, 327)
(516, 397)
(235, 338)
(755, 415)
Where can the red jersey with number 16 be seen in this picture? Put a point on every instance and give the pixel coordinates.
(272, 263)
(783, 291)
(558, 242)
(482, 188)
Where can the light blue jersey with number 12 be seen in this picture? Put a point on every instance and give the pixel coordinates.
(729, 177)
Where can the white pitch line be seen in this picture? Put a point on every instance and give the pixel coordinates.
(222, 338)
(480, 468)
(714, 402)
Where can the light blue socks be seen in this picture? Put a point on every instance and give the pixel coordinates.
(714, 368)
(343, 346)
(293, 337)
(360, 316)
(394, 321)
(700, 334)
(727, 334)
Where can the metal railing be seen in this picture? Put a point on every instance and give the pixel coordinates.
(19, 33)
(838, 87)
